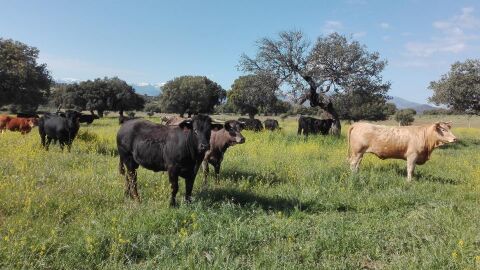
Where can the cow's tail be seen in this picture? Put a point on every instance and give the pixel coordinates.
(348, 140)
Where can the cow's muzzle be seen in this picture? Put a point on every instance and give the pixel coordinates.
(203, 147)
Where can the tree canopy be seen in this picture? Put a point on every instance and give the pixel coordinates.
(405, 117)
(23, 81)
(459, 89)
(333, 63)
(112, 94)
(362, 105)
(251, 94)
(191, 94)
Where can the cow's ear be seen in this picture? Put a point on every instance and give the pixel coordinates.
(217, 127)
(186, 124)
(449, 124)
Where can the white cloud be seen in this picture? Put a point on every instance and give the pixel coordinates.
(386, 38)
(332, 26)
(384, 25)
(454, 36)
(359, 34)
(159, 84)
(143, 84)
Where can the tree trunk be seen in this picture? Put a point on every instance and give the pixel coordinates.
(120, 112)
(317, 101)
(251, 115)
(181, 114)
(100, 113)
(91, 111)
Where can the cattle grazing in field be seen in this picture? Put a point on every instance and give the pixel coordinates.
(59, 128)
(271, 124)
(307, 125)
(179, 150)
(252, 124)
(23, 125)
(4, 119)
(87, 118)
(220, 141)
(412, 143)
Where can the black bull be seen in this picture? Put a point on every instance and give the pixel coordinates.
(179, 150)
(312, 125)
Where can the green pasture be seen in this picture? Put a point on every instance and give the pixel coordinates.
(281, 202)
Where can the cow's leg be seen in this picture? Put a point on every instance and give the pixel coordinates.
(49, 140)
(131, 178)
(62, 144)
(216, 166)
(189, 187)
(411, 161)
(69, 145)
(205, 172)
(132, 174)
(173, 178)
(42, 139)
(355, 161)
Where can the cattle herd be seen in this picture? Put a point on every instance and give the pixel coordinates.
(180, 146)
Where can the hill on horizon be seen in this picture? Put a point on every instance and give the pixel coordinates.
(402, 103)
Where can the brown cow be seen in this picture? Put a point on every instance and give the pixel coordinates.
(4, 119)
(220, 140)
(413, 143)
(24, 125)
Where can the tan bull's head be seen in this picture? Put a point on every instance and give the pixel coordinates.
(443, 133)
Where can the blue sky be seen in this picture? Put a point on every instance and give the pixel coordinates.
(150, 42)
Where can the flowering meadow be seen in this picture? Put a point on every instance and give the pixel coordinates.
(282, 201)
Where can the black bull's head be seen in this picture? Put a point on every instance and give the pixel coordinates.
(201, 126)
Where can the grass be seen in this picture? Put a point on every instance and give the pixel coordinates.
(281, 202)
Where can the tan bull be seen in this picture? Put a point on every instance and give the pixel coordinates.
(413, 143)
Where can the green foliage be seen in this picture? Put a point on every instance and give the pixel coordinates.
(23, 82)
(190, 94)
(405, 117)
(252, 93)
(459, 89)
(333, 64)
(153, 106)
(111, 94)
(363, 105)
(281, 202)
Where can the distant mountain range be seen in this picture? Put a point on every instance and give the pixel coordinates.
(406, 104)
